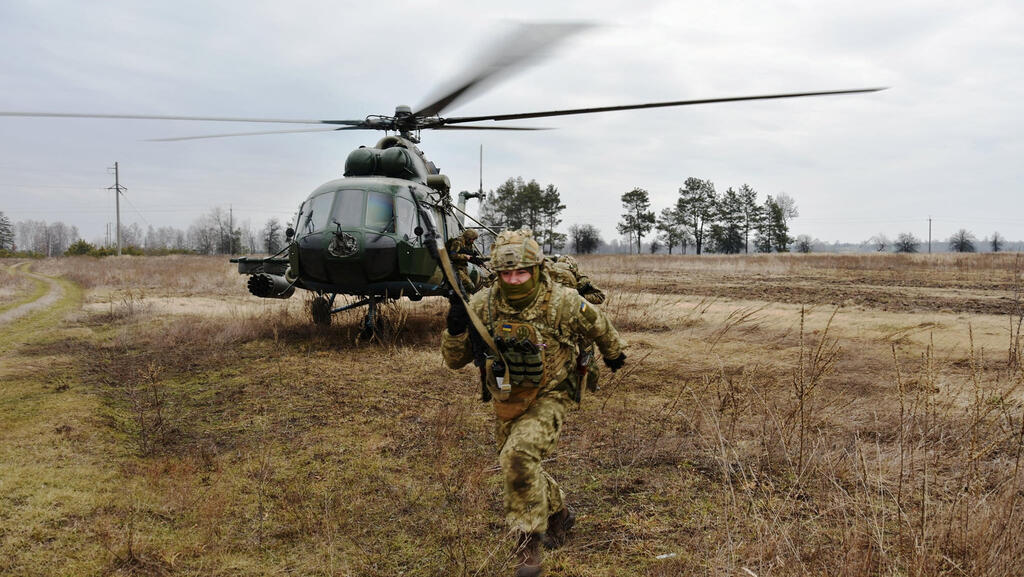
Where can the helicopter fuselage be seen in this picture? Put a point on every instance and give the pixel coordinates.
(369, 234)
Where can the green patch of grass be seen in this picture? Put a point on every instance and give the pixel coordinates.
(41, 325)
(36, 289)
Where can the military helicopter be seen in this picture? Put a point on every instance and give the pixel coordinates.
(379, 232)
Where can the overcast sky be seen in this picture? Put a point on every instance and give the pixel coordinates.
(944, 141)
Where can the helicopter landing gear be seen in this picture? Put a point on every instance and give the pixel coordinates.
(375, 325)
(379, 322)
(320, 310)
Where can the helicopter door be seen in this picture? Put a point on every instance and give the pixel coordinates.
(414, 258)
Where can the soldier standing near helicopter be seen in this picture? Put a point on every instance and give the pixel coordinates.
(536, 325)
(462, 251)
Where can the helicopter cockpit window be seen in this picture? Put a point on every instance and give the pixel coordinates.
(380, 212)
(348, 208)
(407, 219)
(317, 213)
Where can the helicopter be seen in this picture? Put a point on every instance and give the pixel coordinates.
(380, 231)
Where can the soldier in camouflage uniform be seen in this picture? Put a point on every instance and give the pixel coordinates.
(564, 269)
(462, 251)
(536, 323)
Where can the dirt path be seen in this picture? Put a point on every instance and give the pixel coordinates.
(53, 294)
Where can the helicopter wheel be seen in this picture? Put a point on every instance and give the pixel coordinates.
(376, 325)
(320, 310)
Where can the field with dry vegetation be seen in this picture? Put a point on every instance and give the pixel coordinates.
(778, 415)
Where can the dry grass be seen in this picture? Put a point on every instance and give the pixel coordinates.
(14, 287)
(746, 435)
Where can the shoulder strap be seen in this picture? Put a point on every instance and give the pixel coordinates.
(478, 325)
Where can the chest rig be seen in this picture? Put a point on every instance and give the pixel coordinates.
(532, 347)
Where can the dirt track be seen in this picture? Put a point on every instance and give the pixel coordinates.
(53, 294)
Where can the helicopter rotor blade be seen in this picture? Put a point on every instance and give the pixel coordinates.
(522, 115)
(525, 42)
(258, 133)
(475, 127)
(192, 118)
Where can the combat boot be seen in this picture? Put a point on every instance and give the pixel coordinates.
(529, 555)
(559, 526)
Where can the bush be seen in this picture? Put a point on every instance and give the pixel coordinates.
(79, 248)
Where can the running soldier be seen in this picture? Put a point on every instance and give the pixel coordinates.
(536, 324)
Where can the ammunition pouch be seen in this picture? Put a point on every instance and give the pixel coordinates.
(524, 362)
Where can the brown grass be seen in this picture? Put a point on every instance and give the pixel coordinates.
(746, 435)
(14, 287)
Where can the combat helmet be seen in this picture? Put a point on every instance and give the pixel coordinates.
(470, 235)
(515, 249)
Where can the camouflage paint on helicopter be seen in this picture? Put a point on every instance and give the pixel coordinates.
(369, 233)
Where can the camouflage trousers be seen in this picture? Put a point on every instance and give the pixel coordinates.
(531, 495)
(467, 283)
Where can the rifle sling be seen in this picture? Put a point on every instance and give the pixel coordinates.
(485, 335)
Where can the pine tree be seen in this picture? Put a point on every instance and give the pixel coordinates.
(672, 233)
(727, 232)
(520, 204)
(753, 213)
(696, 208)
(6, 233)
(638, 218)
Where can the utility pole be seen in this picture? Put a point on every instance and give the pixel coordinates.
(231, 229)
(929, 235)
(118, 189)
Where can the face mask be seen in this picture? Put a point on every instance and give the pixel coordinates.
(520, 295)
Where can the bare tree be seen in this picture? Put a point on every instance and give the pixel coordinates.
(804, 244)
(271, 236)
(585, 238)
(61, 236)
(788, 205)
(906, 242)
(879, 242)
(962, 241)
(997, 242)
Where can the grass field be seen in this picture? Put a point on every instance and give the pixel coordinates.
(778, 415)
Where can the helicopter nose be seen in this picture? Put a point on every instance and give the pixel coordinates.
(343, 244)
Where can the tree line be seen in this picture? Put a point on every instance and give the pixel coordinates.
(212, 233)
(731, 222)
(961, 241)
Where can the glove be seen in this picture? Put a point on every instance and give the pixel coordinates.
(458, 318)
(616, 363)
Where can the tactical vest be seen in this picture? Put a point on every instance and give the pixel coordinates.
(538, 351)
